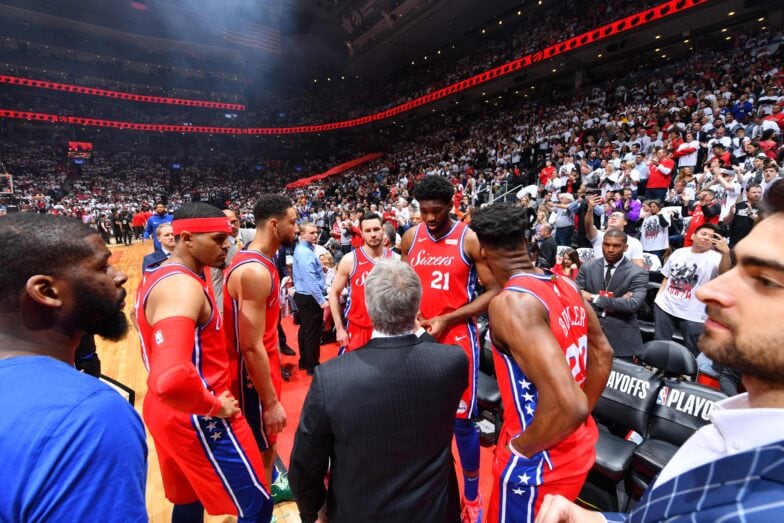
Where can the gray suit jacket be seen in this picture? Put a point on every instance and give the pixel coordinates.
(381, 417)
(617, 314)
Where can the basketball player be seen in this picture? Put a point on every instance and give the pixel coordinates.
(352, 271)
(552, 363)
(206, 451)
(445, 255)
(252, 310)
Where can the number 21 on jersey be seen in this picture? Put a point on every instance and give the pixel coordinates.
(440, 281)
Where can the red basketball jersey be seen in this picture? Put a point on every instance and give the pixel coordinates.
(209, 345)
(231, 308)
(230, 305)
(568, 323)
(448, 277)
(356, 310)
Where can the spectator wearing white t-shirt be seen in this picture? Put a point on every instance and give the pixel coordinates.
(615, 220)
(726, 188)
(686, 270)
(654, 232)
(687, 152)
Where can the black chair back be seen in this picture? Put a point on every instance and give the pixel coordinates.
(681, 408)
(628, 398)
(670, 357)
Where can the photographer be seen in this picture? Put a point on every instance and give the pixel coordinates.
(725, 186)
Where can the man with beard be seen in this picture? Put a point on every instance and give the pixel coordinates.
(445, 255)
(206, 451)
(252, 306)
(731, 469)
(160, 216)
(352, 271)
(73, 449)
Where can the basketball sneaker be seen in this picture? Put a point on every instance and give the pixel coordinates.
(472, 510)
(281, 491)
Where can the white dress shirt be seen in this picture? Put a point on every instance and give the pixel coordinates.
(736, 428)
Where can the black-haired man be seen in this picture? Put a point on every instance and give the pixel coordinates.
(731, 469)
(252, 306)
(352, 272)
(73, 449)
(160, 216)
(616, 289)
(685, 271)
(206, 450)
(552, 362)
(445, 255)
(744, 215)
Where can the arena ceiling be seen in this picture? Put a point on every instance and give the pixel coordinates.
(316, 36)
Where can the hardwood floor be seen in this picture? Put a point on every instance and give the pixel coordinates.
(122, 361)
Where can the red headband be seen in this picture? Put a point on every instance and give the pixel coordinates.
(199, 225)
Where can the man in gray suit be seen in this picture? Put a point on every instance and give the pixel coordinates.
(616, 289)
(381, 419)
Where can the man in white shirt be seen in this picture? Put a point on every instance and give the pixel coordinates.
(687, 151)
(566, 167)
(726, 188)
(686, 270)
(743, 331)
(654, 232)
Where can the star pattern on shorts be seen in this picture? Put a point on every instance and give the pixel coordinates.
(216, 435)
(524, 478)
(528, 397)
(518, 491)
(529, 410)
(211, 426)
(524, 383)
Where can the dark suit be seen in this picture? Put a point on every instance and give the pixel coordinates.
(153, 259)
(618, 315)
(744, 487)
(548, 250)
(381, 418)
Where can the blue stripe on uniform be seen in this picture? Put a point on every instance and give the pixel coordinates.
(509, 364)
(232, 467)
(518, 497)
(473, 335)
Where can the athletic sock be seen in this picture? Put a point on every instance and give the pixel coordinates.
(467, 438)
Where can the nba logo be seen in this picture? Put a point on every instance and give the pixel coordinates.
(661, 399)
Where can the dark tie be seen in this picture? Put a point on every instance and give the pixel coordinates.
(608, 275)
